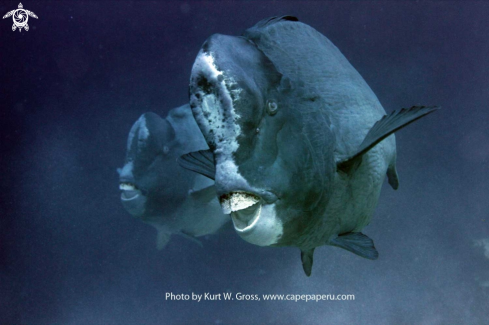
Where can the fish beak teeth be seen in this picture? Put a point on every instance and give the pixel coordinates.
(127, 187)
(129, 191)
(236, 201)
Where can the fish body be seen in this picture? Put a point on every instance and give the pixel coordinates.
(300, 144)
(156, 190)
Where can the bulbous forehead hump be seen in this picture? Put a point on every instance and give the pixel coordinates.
(160, 128)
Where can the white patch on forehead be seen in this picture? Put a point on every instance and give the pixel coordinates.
(215, 112)
(143, 129)
(131, 135)
(142, 134)
(208, 62)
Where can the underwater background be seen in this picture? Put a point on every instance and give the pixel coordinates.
(71, 87)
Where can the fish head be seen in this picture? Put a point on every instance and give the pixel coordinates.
(151, 182)
(266, 176)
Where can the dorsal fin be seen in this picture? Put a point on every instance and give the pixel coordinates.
(254, 31)
(275, 19)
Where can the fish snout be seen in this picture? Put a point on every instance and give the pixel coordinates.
(244, 208)
(132, 198)
(129, 190)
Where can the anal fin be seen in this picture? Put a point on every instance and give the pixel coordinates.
(392, 176)
(307, 257)
(358, 244)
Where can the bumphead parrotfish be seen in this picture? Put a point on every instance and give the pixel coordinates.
(299, 143)
(158, 191)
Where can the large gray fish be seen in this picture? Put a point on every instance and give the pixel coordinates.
(299, 143)
(156, 190)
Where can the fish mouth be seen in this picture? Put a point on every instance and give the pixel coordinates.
(129, 191)
(246, 219)
(244, 207)
(254, 219)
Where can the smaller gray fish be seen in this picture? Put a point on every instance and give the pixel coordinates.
(156, 190)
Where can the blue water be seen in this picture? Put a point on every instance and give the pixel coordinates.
(71, 87)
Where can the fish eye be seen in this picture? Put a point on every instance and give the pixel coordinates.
(166, 150)
(272, 107)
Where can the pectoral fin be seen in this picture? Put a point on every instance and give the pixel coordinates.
(307, 259)
(205, 195)
(382, 129)
(357, 243)
(162, 238)
(201, 162)
(191, 238)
